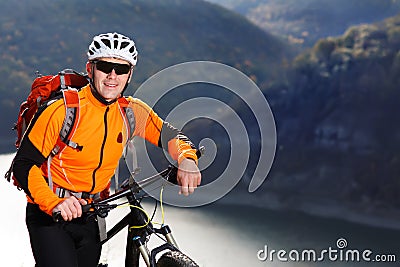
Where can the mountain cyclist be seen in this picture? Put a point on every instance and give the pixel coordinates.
(81, 172)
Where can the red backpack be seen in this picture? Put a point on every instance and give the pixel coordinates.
(46, 88)
(43, 89)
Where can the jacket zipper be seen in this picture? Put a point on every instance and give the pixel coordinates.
(101, 151)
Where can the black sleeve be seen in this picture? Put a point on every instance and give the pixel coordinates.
(27, 156)
(169, 132)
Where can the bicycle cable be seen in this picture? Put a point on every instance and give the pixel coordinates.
(162, 206)
(142, 210)
(148, 218)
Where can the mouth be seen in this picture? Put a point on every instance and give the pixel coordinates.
(112, 85)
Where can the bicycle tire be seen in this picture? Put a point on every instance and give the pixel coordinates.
(175, 259)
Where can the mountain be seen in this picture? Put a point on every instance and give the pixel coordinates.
(303, 22)
(338, 124)
(48, 36)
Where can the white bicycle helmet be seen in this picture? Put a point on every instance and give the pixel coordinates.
(113, 45)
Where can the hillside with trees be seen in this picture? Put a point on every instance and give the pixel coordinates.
(338, 123)
(48, 36)
(303, 22)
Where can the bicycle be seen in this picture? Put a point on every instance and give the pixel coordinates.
(140, 224)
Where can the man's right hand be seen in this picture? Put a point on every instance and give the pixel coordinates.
(70, 208)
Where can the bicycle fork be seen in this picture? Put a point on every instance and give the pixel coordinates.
(140, 245)
(150, 258)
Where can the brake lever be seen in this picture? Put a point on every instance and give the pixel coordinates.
(99, 209)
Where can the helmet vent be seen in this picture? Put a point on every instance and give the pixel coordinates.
(124, 44)
(106, 42)
(96, 44)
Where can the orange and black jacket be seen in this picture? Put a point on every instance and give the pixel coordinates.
(102, 133)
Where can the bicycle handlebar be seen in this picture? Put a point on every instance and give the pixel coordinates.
(132, 187)
(128, 189)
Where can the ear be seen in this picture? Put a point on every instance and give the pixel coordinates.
(89, 69)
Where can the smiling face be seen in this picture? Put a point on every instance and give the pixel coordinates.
(108, 85)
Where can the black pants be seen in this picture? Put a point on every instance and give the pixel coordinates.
(65, 244)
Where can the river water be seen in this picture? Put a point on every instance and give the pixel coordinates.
(226, 235)
(223, 235)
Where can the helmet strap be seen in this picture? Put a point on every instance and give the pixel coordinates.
(127, 82)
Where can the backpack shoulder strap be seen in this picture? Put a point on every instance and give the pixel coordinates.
(71, 101)
(128, 116)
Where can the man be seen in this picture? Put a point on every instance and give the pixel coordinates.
(79, 175)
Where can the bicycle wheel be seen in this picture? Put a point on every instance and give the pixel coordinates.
(175, 259)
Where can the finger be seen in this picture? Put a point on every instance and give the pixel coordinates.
(83, 201)
(196, 180)
(66, 214)
(190, 190)
(77, 208)
(184, 186)
(184, 190)
(192, 184)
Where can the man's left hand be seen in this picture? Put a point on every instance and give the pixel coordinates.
(188, 176)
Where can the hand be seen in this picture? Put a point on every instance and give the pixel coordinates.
(188, 176)
(70, 208)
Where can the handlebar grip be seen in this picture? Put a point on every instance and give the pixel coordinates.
(86, 208)
(57, 216)
(172, 175)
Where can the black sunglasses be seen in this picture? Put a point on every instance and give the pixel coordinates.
(107, 67)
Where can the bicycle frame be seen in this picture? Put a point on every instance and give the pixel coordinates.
(136, 238)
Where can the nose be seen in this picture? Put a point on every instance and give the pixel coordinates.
(112, 74)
